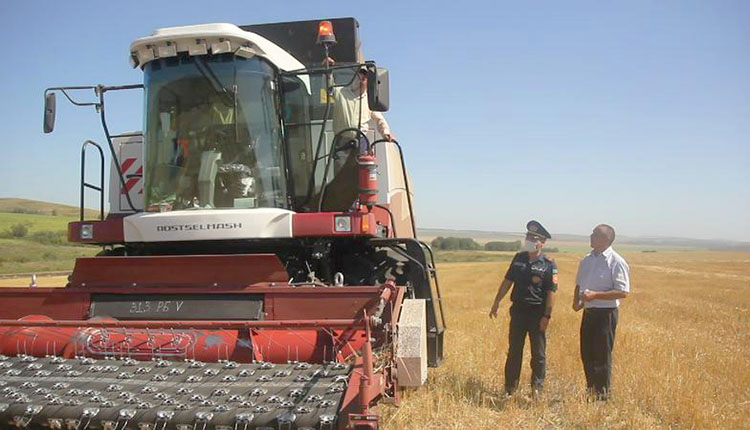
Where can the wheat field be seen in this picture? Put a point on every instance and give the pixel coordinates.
(680, 358)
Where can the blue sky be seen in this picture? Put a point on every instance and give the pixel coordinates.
(634, 113)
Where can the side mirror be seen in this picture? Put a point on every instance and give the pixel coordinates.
(289, 84)
(49, 112)
(377, 88)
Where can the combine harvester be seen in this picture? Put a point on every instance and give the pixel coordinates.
(259, 270)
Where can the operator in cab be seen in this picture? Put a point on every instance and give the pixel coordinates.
(533, 277)
(351, 110)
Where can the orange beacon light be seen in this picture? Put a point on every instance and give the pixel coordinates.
(325, 33)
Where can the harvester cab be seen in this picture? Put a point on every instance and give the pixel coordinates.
(260, 268)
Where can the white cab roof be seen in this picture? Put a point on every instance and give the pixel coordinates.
(209, 38)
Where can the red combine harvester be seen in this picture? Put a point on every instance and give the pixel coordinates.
(259, 268)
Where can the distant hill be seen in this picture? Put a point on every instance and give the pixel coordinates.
(16, 205)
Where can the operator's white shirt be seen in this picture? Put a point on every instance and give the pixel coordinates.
(603, 272)
(351, 110)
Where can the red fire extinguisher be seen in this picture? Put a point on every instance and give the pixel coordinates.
(368, 180)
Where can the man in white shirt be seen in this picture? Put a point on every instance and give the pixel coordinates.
(603, 279)
(351, 110)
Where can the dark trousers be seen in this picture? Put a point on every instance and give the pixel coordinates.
(597, 339)
(525, 320)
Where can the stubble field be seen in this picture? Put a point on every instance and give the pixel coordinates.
(680, 359)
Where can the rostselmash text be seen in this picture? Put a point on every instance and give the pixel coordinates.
(194, 227)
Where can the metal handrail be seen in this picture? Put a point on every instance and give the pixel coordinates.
(406, 179)
(433, 272)
(85, 184)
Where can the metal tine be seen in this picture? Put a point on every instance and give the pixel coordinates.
(33, 341)
(126, 339)
(28, 415)
(85, 414)
(193, 357)
(205, 419)
(243, 428)
(123, 349)
(150, 341)
(164, 420)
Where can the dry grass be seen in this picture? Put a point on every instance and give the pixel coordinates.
(680, 354)
(680, 357)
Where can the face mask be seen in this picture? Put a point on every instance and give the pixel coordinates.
(528, 246)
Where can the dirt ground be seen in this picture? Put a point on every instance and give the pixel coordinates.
(680, 358)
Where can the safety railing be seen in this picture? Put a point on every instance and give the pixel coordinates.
(84, 184)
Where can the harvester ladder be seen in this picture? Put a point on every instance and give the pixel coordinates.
(84, 184)
(432, 270)
(416, 253)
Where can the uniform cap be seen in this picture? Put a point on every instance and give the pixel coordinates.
(535, 227)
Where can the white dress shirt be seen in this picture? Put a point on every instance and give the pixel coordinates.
(603, 272)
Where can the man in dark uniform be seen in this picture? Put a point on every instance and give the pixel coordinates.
(534, 279)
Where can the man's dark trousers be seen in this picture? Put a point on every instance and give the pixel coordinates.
(597, 340)
(524, 319)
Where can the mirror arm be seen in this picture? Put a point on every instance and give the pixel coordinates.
(64, 91)
(99, 91)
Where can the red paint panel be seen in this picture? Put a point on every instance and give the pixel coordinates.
(52, 302)
(182, 270)
(108, 231)
(129, 184)
(126, 164)
(313, 306)
(322, 224)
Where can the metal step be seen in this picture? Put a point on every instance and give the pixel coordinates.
(87, 394)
